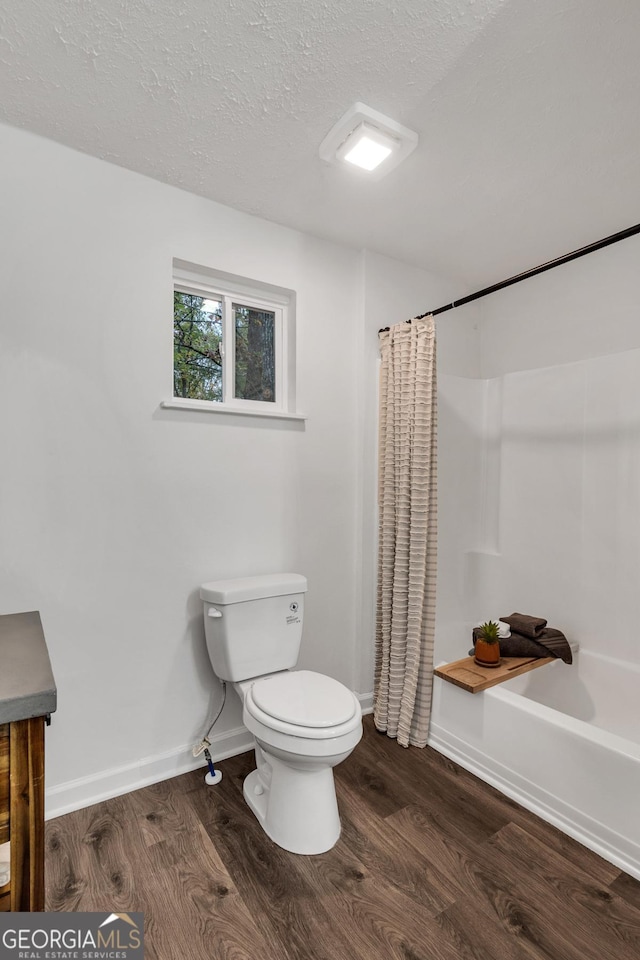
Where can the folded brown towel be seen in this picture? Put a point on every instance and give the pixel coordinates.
(518, 646)
(556, 644)
(525, 625)
(550, 643)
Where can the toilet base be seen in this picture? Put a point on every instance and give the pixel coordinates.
(296, 807)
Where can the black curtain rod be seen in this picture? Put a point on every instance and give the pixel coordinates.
(549, 265)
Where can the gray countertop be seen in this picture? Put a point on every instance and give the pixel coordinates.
(27, 687)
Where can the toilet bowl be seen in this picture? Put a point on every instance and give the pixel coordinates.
(304, 724)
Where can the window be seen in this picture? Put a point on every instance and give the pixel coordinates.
(232, 344)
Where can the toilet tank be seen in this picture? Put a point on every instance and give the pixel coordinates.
(253, 625)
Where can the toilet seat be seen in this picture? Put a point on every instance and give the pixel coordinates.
(304, 698)
(303, 704)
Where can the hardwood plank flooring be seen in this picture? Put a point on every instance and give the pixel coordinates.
(432, 864)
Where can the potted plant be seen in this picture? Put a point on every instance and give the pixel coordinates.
(487, 646)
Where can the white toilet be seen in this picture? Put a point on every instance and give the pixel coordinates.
(304, 723)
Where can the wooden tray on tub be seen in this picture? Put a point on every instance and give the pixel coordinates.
(469, 675)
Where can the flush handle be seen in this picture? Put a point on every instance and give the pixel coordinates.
(214, 612)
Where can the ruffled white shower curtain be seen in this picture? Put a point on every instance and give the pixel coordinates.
(406, 599)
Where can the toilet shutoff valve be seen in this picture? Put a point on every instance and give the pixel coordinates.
(201, 747)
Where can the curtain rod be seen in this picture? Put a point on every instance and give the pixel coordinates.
(549, 265)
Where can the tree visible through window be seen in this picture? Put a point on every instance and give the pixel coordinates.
(197, 338)
(202, 370)
(255, 354)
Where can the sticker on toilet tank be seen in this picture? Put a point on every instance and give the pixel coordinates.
(292, 618)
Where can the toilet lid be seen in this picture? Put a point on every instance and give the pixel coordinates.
(304, 698)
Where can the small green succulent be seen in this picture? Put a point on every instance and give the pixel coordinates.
(489, 632)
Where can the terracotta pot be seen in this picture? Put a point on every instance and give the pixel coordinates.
(487, 654)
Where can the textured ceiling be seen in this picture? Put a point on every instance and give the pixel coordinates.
(527, 112)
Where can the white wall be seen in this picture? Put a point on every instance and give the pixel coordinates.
(394, 292)
(113, 511)
(586, 308)
(562, 509)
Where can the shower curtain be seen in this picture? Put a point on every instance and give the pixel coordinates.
(406, 599)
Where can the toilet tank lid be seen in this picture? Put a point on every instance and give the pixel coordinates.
(253, 588)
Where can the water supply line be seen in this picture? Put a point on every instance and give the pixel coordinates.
(212, 776)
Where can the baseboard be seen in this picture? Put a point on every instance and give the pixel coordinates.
(591, 833)
(75, 794)
(366, 702)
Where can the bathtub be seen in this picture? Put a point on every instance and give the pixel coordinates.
(564, 741)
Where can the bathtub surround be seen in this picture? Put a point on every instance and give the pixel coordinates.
(559, 367)
(563, 365)
(407, 550)
(584, 417)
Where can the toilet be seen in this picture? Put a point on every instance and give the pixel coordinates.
(304, 723)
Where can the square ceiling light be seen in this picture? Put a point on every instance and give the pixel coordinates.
(366, 139)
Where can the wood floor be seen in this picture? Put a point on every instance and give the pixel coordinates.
(432, 864)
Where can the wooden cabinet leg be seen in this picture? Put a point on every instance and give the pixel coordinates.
(26, 817)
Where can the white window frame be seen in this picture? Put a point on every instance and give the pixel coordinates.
(245, 293)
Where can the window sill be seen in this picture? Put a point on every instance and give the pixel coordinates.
(208, 406)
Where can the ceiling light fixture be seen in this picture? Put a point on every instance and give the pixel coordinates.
(366, 147)
(369, 140)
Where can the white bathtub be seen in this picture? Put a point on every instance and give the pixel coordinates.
(564, 741)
